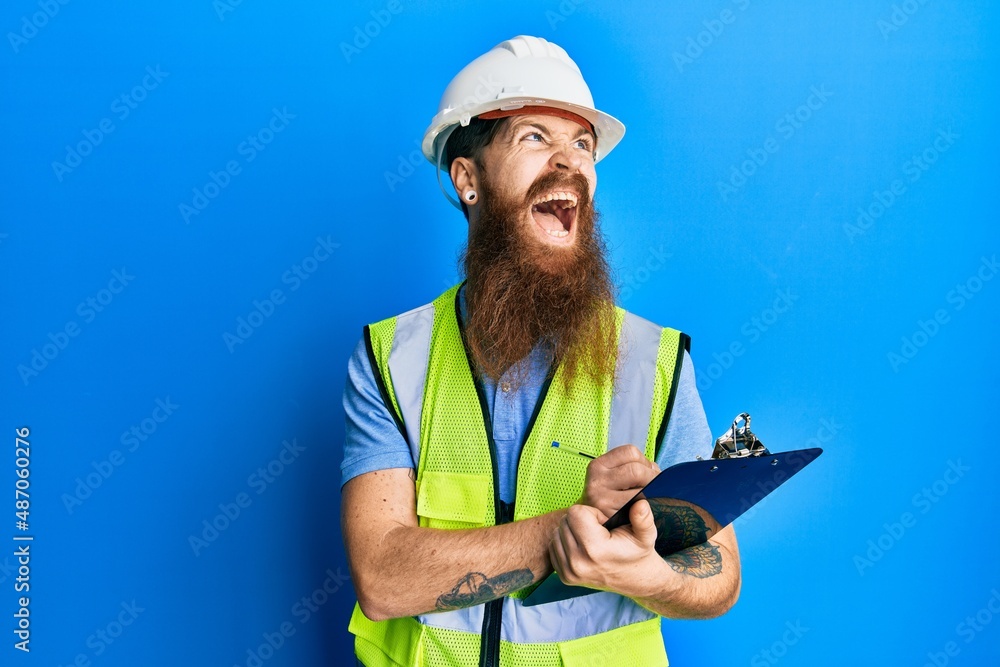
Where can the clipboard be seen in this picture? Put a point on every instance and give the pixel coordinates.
(725, 488)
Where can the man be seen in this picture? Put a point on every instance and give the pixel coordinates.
(464, 483)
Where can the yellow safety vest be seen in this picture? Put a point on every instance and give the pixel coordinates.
(422, 370)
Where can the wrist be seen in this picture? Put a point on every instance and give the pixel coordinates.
(549, 527)
(654, 578)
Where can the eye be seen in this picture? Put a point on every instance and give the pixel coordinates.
(534, 136)
(586, 144)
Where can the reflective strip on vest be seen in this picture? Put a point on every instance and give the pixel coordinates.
(546, 623)
(408, 368)
(631, 407)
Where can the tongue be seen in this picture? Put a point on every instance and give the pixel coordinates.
(546, 220)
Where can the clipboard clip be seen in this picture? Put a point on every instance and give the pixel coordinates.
(739, 441)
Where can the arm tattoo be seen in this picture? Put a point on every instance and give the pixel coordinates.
(476, 588)
(677, 526)
(682, 539)
(702, 560)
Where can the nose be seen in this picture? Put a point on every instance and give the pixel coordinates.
(566, 158)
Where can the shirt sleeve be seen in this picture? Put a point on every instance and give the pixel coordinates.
(688, 434)
(372, 441)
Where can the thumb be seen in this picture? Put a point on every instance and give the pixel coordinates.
(643, 526)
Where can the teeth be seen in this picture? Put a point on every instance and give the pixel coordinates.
(567, 197)
(562, 233)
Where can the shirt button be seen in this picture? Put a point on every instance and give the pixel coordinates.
(505, 387)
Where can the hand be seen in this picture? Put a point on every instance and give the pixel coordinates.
(614, 477)
(584, 553)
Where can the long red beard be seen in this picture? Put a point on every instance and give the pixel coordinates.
(522, 292)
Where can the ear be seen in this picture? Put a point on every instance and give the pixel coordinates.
(464, 176)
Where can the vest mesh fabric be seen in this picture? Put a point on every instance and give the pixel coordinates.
(450, 398)
(582, 415)
(666, 363)
(448, 648)
(637, 645)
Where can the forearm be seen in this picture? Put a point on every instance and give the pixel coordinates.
(702, 581)
(413, 570)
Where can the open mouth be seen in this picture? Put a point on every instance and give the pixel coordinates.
(555, 213)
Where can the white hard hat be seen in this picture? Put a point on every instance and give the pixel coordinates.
(520, 72)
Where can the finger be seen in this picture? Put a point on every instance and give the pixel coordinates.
(557, 554)
(567, 539)
(588, 530)
(585, 529)
(621, 455)
(569, 553)
(584, 518)
(643, 525)
(560, 562)
(628, 475)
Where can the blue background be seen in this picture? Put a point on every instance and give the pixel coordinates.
(701, 92)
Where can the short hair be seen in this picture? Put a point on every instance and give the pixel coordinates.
(469, 141)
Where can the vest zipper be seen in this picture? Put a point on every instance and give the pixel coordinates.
(489, 641)
(489, 646)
